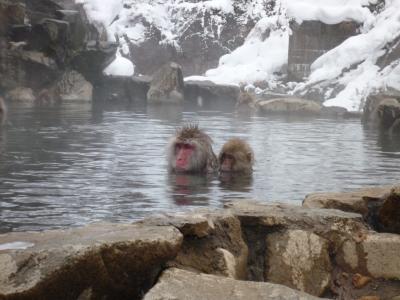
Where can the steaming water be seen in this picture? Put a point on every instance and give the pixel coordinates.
(76, 164)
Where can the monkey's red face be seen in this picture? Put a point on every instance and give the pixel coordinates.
(227, 163)
(183, 153)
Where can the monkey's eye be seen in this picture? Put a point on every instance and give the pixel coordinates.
(184, 146)
(228, 156)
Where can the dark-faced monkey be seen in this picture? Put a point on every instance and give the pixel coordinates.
(236, 156)
(190, 151)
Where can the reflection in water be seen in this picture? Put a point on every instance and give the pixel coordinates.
(236, 182)
(190, 189)
(75, 164)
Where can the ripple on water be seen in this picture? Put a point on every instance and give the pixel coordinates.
(74, 166)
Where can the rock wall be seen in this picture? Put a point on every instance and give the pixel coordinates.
(41, 42)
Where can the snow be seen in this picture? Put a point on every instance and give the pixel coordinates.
(121, 66)
(345, 74)
(328, 11)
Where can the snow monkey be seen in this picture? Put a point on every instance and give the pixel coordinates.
(3, 110)
(190, 151)
(236, 156)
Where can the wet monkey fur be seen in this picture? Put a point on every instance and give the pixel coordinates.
(236, 156)
(190, 151)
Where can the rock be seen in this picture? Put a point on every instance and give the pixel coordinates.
(290, 106)
(179, 284)
(259, 221)
(202, 35)
(26, 68)
(51, 36)
(298, 259)
(92, 60)
(355, 201)
(212, 243)
(359, 281)
(375, 255)
(103, 260)
(74, 87)
(21, 94)
(11, 13)
(294, 217)
(334, 111)
(382, 112)
(389, 212)
(166, 85)
(210, 93)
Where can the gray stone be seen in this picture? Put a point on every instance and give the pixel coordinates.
(376, 254)
(21, 94)
(11, 13)
(382, 112)
(113, 261)
(179, 285)
(298, 259)
(295, 217)
(212, 243)
(355, 201)
(290, 106)
(26, 68)
(166, 85)
(210, 93)
(74, 87)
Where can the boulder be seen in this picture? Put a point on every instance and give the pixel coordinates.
(73, 87)
(290, 106)
(260, 221)
(93, 58)
(376, 255)
(50, 36)
(26, 68)
(209, 93)
(21, 94)
(389, 212)
(11, 13)
(382, 112)
(298, 259)
(102, 260)
(166, 85)
(357, 201)
(179, 284)
(212, 243)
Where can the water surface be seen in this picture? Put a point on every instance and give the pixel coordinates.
(71, 165)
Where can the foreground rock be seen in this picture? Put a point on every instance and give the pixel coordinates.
(178, 284)
(290, 106)
(357, 201)
(296, 243)
(212, 243)
(167, 85)
(98, 261)
(380, 206)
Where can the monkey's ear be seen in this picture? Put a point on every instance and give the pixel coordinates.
(249, 156)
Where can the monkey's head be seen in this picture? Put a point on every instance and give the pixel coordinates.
(236, 156)
(190, 151)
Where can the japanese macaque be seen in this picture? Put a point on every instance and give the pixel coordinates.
(236, 156)
(246, 103)
(3, 111)
(190, 151)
